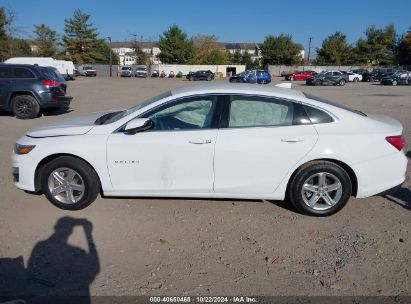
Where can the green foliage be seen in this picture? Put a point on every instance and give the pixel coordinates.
(175, 47)
(378, 47)
(19, 48)
(103, 51)
(403, 50)
(208, 51)
(141, 57)
(80, 39)
(334, 50)
(238, 58)
(4, 40)
(280, 50)
(46, 41)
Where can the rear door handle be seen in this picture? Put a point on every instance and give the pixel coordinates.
(200, 141)
(292, 139)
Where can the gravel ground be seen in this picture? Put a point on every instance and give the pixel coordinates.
(202, 247)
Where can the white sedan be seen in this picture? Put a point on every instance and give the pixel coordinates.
(354, 77)
(216, 141)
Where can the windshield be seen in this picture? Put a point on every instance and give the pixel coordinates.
(114, 116)
(309, 96)
(141, 69)
(126, 68)
(88, 68)
(51, 73)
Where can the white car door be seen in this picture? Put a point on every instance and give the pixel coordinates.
(176, 156)
(260, 145)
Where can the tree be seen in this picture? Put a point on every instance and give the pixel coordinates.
(4, 40)
(378, 47)
(103, 51)
(19, 48)
(403, 50)
(334, 50)
(175, 47)
(208, 50)
(80, 39)
(141, 58)
(236, 57)
(46, 40)
(280, 50)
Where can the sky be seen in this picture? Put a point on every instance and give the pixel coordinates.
(229, 20)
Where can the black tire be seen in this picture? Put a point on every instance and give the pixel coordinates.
(356, 79)
(89, 178)
(304, 173)
(394, 82)
(25, 107)
(191, 78)
(341, 82)
(317, 83)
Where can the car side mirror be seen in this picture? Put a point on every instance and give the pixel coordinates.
(138, 125)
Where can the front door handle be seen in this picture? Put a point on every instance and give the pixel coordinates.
(200, 141)
(292, 139)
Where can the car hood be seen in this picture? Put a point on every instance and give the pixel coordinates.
(77, 125)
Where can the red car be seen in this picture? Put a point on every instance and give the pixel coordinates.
(301, 75)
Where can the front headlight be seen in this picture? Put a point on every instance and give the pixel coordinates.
(23, 149)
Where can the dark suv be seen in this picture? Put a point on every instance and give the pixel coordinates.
(25, 89)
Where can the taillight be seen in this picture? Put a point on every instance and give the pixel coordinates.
(50, 83)
(397, 141)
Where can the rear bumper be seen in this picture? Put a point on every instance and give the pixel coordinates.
(380, 175)
(55, 101)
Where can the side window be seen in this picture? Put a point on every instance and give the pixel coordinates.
(317, 116)
(186, 114)
(336, 73)
(250, 111)
(5, 72)
(22, 73)
(329, 74)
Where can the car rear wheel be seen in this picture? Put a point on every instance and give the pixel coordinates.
(356, 79)
(191, 78)
(70, 183)
(25, 107)
(394, 82)
(341, 82)
(320, 188)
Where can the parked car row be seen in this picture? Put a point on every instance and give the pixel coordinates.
(252, 76)
(128, 71)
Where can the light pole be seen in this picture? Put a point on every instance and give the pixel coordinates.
(309, 50)
(111, 58)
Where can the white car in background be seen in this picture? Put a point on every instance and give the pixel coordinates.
(216, 141)
(354, 77)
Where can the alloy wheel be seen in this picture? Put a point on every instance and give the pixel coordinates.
(322, 191)
(24, 107)
(66, 185)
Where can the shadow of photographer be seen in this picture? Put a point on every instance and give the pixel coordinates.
(54, 270)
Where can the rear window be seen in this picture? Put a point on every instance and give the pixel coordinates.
(309, 96)
(51, 74)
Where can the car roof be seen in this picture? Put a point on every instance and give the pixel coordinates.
(239, 88)
(18, 65)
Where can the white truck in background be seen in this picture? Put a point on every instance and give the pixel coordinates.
(66, 68)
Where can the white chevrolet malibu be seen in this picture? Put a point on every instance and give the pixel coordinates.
(216, 141)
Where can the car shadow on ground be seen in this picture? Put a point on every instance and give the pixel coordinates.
(408, 154)
(56, 271)
(55, 112)
(401, 197)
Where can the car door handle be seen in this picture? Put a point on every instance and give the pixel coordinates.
(292, 139)
(200, 141)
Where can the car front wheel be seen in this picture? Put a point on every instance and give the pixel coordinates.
(320, 188)
(69, 183)
(342, 82)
